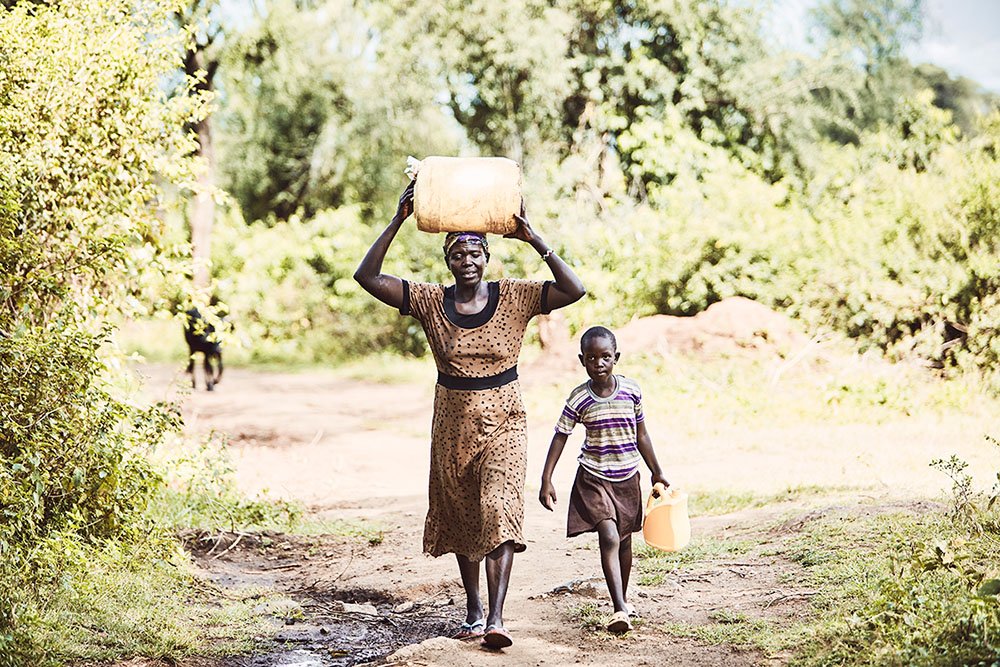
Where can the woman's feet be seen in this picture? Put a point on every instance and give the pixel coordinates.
(472, 630)
(496, 638)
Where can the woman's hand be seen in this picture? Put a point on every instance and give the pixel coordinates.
(524, 232)
(386, 288)
(660, 479)
(405, 207)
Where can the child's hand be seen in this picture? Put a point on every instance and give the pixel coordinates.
(660, 479)
(547, 496)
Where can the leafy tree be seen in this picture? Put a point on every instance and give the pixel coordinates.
(86, 133)
(963, 97)
(311, 120)
(625, 79)
(504, 86)
(873, 35)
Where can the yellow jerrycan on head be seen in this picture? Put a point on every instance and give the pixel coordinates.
(466, 194)
(667, 526)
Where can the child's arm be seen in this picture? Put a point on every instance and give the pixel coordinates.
(648, 455)
(547, 494)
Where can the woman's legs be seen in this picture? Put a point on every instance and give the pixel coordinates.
(498, 565)
(470, 581)
(611, 561)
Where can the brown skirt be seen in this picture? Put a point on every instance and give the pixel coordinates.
(594, 499)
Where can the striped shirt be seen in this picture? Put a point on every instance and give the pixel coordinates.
(610, 450)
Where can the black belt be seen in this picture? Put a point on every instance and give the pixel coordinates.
(475, 384)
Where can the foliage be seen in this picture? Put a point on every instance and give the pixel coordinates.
(673, 154)
(963, 97)
(874, 35)
(290, 290)
(86, 131)
(934, 601)
(308, 120)
(504, 87)
(963, 511)
(200, 493)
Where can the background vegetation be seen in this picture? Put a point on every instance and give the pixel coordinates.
(673, 151)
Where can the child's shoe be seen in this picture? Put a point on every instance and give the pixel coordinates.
(619, 623)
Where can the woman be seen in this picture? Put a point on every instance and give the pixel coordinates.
(479, 433)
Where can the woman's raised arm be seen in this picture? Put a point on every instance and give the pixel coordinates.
(568, 288)
(386, 288)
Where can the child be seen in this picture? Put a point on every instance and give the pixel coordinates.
(606, 496)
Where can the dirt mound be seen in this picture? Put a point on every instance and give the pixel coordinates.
(731, 326)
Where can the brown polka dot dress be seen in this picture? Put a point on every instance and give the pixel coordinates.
(479, 431)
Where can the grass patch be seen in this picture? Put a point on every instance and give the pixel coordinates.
(200, 493)
(901, 589)
(731, 628)
(587, 616)
(115, 600)
(747, 390)
(367, 531)
(652, 565)
(710, 503)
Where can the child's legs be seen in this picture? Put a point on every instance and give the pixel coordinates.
(470, 581)
(625, 562)
(607, 531)
(498, 565)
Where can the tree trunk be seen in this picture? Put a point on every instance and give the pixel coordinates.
(203, 206)
(203, 210)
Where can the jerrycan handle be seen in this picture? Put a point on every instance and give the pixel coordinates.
(656, 496)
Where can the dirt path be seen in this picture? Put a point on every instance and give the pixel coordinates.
(303, 436)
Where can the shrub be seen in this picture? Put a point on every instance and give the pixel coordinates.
(85, 131)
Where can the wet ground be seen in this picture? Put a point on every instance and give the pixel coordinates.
(317, 623)
(324, 640)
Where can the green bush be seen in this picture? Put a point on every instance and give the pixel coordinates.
(86, 130)
(200, 493)
(937, 601)
(290, 291)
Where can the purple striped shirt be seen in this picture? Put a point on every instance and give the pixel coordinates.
(610, 450)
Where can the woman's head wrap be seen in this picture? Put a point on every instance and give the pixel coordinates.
(454, 238)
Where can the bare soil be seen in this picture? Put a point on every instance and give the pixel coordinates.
(357, 449)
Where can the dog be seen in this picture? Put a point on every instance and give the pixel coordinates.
(201, 337)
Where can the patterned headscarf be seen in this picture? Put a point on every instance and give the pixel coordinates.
(454, 238)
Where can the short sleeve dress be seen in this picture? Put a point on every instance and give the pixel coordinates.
(479, 430)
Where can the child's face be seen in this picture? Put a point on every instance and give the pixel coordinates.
(599, 357)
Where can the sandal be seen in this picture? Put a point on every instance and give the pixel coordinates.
(472, 630)
(619, 623)
(496, 638)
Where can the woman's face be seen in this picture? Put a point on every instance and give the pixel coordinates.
(467, 262)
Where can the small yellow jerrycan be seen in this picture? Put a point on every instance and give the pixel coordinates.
(667, 526)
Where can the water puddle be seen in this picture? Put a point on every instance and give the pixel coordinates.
(326, 639)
